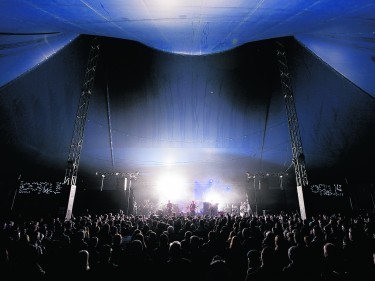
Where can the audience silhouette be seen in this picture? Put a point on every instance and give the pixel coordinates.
(223, 247)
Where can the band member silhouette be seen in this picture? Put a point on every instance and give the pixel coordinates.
(192, 208)
(169, 208)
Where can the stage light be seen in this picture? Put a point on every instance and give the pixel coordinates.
(171, 187)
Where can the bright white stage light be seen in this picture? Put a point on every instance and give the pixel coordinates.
(171, 187)
(214, 197)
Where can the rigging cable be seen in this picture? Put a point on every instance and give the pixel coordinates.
(109, 124)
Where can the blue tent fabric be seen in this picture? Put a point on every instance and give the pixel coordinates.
(21, 53)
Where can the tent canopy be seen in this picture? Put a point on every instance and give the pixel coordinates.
(188, 87)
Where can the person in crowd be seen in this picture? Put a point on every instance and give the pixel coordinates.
(333, 268)
(218, 270)
(268, 269)
(178, 266)
(253, 261)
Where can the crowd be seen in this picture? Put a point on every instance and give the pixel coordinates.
(176, 247)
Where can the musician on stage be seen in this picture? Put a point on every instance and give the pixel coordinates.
(169, 208)
(192, 208)
(243, 208)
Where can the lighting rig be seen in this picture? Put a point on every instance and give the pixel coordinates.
(132, 176)
(263, 175)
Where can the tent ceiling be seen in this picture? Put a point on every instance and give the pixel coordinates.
(339, 33)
